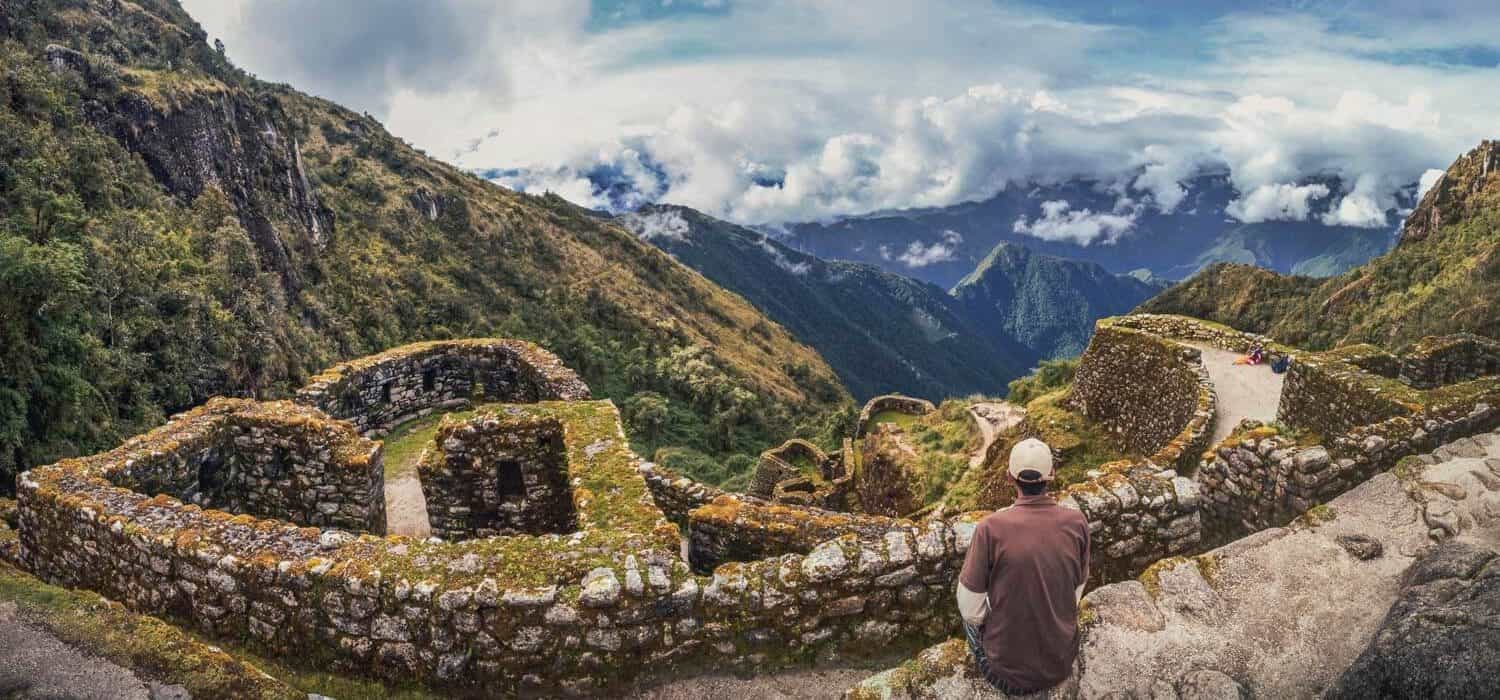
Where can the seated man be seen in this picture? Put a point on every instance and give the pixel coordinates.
(1022, 579)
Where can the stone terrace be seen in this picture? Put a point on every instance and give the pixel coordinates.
(607, 600)
(1353, 418)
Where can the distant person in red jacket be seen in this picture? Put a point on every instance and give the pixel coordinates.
(1022, 579)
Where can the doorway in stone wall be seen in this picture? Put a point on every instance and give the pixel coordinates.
(512, 483)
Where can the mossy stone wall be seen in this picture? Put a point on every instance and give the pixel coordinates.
(739, 529)
(1441, 360)
(269, 460)
(890, 402)
(379, 392)
(497, 475)
(1139, 386)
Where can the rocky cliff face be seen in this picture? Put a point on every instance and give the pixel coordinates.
(239, 145)
(1470, 184)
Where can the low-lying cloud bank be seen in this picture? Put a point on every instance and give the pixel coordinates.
(782, 110)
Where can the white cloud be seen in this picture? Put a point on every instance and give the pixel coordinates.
(1364, 206)
(1060, 222)
(918, 254)
(797, 268)
(1277, 203)
(810, 110)
(1429, 180)
(656, 224)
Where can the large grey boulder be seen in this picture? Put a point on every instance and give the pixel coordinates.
(1441, 639)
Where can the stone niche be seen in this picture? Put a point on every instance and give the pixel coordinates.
(272, 460)
(493, 475)
(379, 392)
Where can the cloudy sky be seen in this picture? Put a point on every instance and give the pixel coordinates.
(787, 110)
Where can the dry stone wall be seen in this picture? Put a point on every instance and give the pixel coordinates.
(586, 611)
(1139, 386)
(1365, 419)
(1258, 479)
(610, 600)
(738, 529)
(676, 495)
(799, 473)
(272, 460)
(1200, 331)
(497, 475)
(890, 402)
(1332, 393)
(1442, 360)
(379, 392)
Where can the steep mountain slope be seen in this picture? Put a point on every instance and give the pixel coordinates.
(1443, 276)
(880, 332)
(172, 228)
(1173, 246)
(1048, 305)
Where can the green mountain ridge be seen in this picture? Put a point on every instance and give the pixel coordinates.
(885, 332)
(172, 228)
(880, 331)
(1045, 304)
(1442, 277)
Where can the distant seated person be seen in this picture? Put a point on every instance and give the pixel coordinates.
(1022, 579)
(1281, 365)
(1257, 353)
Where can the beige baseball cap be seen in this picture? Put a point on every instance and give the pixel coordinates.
(1034, 454)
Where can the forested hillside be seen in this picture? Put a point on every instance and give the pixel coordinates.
(1442, 277)
(172, 228)
(1046, 305)
(881, 332)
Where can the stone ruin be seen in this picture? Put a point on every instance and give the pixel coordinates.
(858, 478)
(1353, 413)
(800, 473)
(890, 402)
(501, 476)
(559, 567)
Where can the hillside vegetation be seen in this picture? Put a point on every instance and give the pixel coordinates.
(880, 331)
(1442, 277)
(172, 228)
(1045, 305)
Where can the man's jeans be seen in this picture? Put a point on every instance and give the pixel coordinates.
(975, 635)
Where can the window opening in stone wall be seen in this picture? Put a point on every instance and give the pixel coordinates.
(213, 476)
(385, 392)
(512, 485)
(429, 379)
(278, 464)
(349, 403)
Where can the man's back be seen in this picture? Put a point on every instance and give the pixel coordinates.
(1030, 560)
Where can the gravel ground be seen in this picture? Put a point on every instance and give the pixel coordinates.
(800, 684)
(35, 664)
(1245, 391)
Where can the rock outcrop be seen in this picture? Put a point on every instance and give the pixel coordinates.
(1283, 612)
(1464, 187)
(1440, 638)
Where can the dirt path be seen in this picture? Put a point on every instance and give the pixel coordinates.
(405, 506)
(1244, 391)
(799, 684)
(35, 664)
(993, 419)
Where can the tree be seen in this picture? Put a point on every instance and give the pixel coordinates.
(647, 414)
